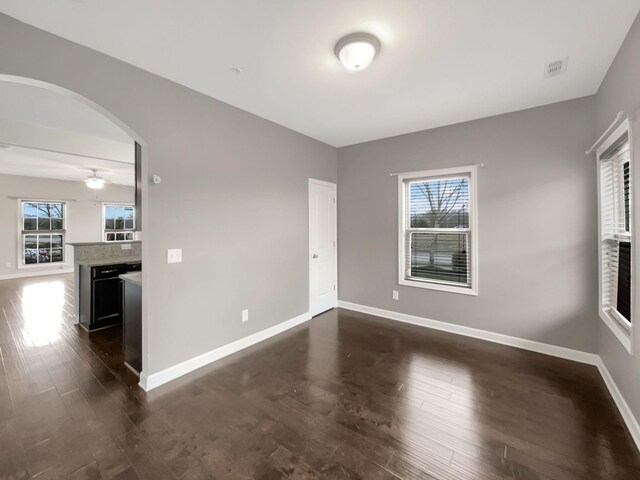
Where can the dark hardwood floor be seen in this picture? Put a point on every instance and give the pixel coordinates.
(344, 396)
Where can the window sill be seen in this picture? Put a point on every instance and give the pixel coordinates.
(441, 288)
(42, 266)
(620, 332)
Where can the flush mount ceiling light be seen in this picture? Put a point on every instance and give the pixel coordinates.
(357, 50)
(95, 181)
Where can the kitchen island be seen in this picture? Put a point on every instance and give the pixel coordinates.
(88, 255)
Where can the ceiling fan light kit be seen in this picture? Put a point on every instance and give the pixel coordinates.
(94, 181)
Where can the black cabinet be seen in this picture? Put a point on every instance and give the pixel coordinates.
(134, 267)
(101, 295)
(132, 325)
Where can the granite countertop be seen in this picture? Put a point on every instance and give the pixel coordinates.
(97, 262)
(135, 277)
(85, 244)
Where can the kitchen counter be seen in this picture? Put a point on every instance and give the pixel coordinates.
(135, 277)
(89, 255)
(97, 262)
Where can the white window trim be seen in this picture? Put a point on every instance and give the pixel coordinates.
(103, 231)
(20, 265)
(620, 327)
(472, 171)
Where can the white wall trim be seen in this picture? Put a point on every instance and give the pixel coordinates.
(40, 273)
(553, 350)
(157, 379)
(149, 382)
(627, 415)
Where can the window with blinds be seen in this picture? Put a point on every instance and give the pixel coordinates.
(437, 230)
(615, 195)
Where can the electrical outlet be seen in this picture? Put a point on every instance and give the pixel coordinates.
(396, 295)
(245, 315)
(174, 255)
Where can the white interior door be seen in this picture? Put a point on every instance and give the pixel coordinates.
(323, 274)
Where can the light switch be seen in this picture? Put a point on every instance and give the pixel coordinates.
(174, 255)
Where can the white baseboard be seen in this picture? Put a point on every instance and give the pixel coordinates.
(553, 350)
(627, 415)
(149, 382)
(37, 273)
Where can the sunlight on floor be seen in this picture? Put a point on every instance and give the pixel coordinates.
(42, 312)
(433, 394)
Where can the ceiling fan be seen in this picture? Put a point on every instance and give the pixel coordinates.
(94, 181)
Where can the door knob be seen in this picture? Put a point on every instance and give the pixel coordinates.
(315, 255)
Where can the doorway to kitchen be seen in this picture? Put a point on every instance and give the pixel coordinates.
(71, 196)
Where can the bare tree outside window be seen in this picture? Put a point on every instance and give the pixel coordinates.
(438, 238)
(119, 223)
(42, 233)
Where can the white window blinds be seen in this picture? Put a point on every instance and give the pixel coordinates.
(615, 230)
(437, 234)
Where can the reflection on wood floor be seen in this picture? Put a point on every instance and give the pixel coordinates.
(344, 396)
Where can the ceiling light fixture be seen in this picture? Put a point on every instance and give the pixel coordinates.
(357, 50)
(95, 181)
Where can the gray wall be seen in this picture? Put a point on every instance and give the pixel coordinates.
(84, 213)
(537, 223)
(620, 91)
(233, 196)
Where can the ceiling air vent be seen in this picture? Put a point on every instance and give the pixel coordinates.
(557, 67)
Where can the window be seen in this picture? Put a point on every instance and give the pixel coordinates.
(615, 174)
(438, 235)
(42, 232)
(119, 222)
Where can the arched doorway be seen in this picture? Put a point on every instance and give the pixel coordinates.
(43, 142)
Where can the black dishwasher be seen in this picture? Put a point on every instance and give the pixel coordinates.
(101, 295)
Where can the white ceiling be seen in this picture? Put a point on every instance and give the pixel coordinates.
(442, 61)
(53, 136)
(31, 105)
(59, 166)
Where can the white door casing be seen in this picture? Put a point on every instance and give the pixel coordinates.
(323, 268)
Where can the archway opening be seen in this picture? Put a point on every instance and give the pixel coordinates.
(71, 194)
